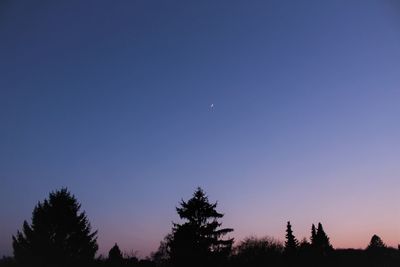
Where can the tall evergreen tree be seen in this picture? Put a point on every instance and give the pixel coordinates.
(199, 240)
(322, 240)
(291, 243)
(313, 238)
(59, 235)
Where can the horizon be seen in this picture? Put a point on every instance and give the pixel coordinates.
(280, 111)
(304, 233)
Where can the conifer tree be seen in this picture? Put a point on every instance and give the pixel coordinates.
(291, 243)
(322, 240)
(115, 255)
(313, 238)
(59, 235)
(198, 240)
(376, 243)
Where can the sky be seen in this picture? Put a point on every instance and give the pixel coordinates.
(112, 99)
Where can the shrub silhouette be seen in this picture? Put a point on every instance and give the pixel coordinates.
(253, 251)
(198, 241)
(161, 256)
(59, 234)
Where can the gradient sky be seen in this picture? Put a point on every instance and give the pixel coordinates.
(112, 99)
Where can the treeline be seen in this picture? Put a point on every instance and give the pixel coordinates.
(60, 235)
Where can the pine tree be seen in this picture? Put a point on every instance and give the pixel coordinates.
(322, 241)
(115, 255)
(376, 243)
(291, 243)
(59, 234)
(313, 235)
(199, 239)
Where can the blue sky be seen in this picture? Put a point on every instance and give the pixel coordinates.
(113, 101)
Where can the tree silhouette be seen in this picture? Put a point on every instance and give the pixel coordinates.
(322, 243)
(198, 240)
(291, 243)
(313, 238)
(376, 243)
(377, 251)
(115, 256)
(161, 256)
(305, 249)
(257, 252)
(59, 234)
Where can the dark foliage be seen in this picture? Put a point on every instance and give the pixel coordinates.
(162, 255)
(198, 241)
(115, 257)
(321, 243)
(59, 235)
(291, 243)
(7, 262)
(256, 252)
(313, 238)
(125, 262)
(376, 243)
